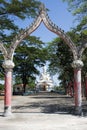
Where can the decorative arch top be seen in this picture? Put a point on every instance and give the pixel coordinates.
(42, 17)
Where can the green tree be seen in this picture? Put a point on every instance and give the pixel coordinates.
(28, 56)
(60, 61)
(10, 12)
(60, 56)
(79, 9)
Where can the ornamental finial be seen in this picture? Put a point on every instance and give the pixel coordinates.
(77, 64)
(42, 7)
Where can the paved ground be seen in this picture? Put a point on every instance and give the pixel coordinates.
(42, 112)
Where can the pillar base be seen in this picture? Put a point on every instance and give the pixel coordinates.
(7, 111)
(78, 111)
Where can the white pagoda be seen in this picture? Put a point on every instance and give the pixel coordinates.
(45, 82)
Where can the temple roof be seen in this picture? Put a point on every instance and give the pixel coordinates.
(45, 77)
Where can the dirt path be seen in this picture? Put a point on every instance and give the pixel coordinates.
(44, 111)
(43, 103)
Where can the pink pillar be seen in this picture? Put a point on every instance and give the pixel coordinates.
(8, 93)
(8, 66)
(77, 65)
(77, 87)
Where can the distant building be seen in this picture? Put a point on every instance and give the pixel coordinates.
(45, 82)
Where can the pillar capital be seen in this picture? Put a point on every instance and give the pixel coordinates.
(77, 64)
(8, 64)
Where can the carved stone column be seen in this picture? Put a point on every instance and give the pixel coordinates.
(77, 65)
(8, 66)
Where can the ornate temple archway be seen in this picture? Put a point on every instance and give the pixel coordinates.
(42, 17)
(8, 64)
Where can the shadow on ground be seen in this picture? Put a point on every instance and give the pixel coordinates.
(46, 104)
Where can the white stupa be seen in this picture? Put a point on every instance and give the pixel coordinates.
(45, 82)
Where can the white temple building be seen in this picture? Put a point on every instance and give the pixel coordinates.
(45, 82)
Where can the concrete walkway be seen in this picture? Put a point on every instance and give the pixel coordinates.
(29, 114)
(39, 121)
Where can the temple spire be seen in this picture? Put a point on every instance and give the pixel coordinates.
(45, 82)
(44, 69)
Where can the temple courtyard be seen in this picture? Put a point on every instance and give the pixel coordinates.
(43, 111)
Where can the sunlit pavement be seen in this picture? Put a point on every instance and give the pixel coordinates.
(33, 118)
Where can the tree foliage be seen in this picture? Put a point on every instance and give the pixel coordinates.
(28, 56)
(10, 12)
(60, 60)
(61, 57)
(79, 9)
